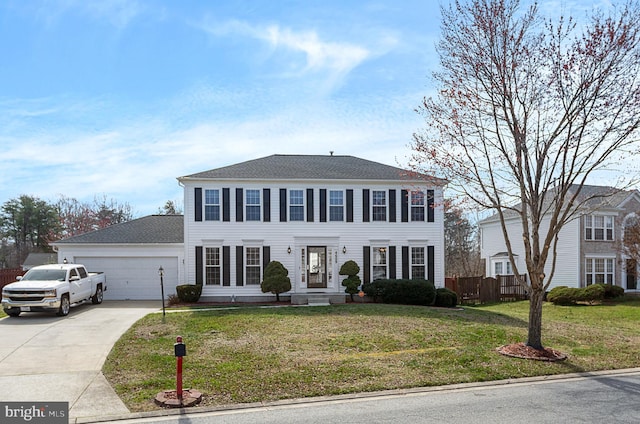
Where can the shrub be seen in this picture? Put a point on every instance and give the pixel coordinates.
(276, 279)
(446, 298)
(189, 293)
(373, 289)
(352, 282)
(405, 292)
(591, 294)
(173, 299)
(563, 295)
(611, 291)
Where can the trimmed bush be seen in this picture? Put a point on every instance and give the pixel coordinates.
(189, 293)
(405, 292)
(591, 294)
(276, 279)
(563, 295)
(611, 291)
(352, 282)
(566, 296)
(446, 298)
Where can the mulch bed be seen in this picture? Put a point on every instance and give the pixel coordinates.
(521, 350)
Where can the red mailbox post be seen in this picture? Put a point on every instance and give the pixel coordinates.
(180, 351)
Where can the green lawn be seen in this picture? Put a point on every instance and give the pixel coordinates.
(257, 354)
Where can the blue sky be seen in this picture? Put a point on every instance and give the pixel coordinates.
(118, 98)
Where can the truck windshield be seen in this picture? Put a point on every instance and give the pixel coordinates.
(45, 275)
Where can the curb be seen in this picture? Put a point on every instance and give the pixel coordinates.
(358, 396)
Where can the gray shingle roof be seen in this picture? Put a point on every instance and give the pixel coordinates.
(316, 167)
(591, 197)
(148, 229)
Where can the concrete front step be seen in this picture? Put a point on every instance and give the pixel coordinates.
(317, 299)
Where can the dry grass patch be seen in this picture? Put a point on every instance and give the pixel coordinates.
(257, 354)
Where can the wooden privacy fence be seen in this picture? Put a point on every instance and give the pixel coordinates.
(9, 275)
(504, 288)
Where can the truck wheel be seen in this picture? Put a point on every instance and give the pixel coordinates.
(97, 298)
(63, 311)
(13, 312)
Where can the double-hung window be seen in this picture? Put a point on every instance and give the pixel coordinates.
(296, 205)
(379, 263)
(599, 270)
(598, 227)
(212, 205)
(253, 205)
(417, 263)
(213, 266)
(252, 269)
(336, 205)
(379, 205)
(417, 206)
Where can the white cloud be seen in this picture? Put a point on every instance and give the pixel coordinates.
(332, 60)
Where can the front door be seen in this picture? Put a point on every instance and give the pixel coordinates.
(632, 274)
(317, 267)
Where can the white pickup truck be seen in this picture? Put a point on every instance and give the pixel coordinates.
(53, 288)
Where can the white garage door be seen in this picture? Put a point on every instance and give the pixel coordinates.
(134, 278)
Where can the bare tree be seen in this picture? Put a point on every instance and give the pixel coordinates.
(462, 251)
(527, 110)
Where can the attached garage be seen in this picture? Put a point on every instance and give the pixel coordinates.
(134, 278)
(131, 254)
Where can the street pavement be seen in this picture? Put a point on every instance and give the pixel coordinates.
(59, 359)
(601, 397)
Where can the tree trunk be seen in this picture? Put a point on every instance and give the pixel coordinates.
(534, 338)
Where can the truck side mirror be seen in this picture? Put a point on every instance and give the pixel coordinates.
(74, 278)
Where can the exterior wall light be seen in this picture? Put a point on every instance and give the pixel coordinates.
(344, 249)
(289, 250)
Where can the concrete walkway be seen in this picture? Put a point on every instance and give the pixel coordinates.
(48, 358)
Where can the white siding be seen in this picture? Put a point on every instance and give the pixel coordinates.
(131, 270)
(568, 250)
(279, 236)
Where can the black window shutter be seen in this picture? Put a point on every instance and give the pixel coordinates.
(404, 205)
(226, 207)
(226, 266)
(197, 204)
(392, 205)
(323, 205)
(430, 206)
(309, 205)
(431, 271)
(266, 212)
(239, 266)
(349, 205)
(405, 262)
(266, 257)
(392, 262)
(199, 267)
(283, 205)
(366, 264)
(365, 205)
(239, 205)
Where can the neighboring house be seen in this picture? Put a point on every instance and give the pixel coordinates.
(35, 259)
(130, 254)
(588, 246)
(312, 213)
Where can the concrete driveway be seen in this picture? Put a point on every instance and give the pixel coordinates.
(48, 358)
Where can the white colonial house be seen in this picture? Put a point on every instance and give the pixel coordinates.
(312, 213)
(588, 246)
